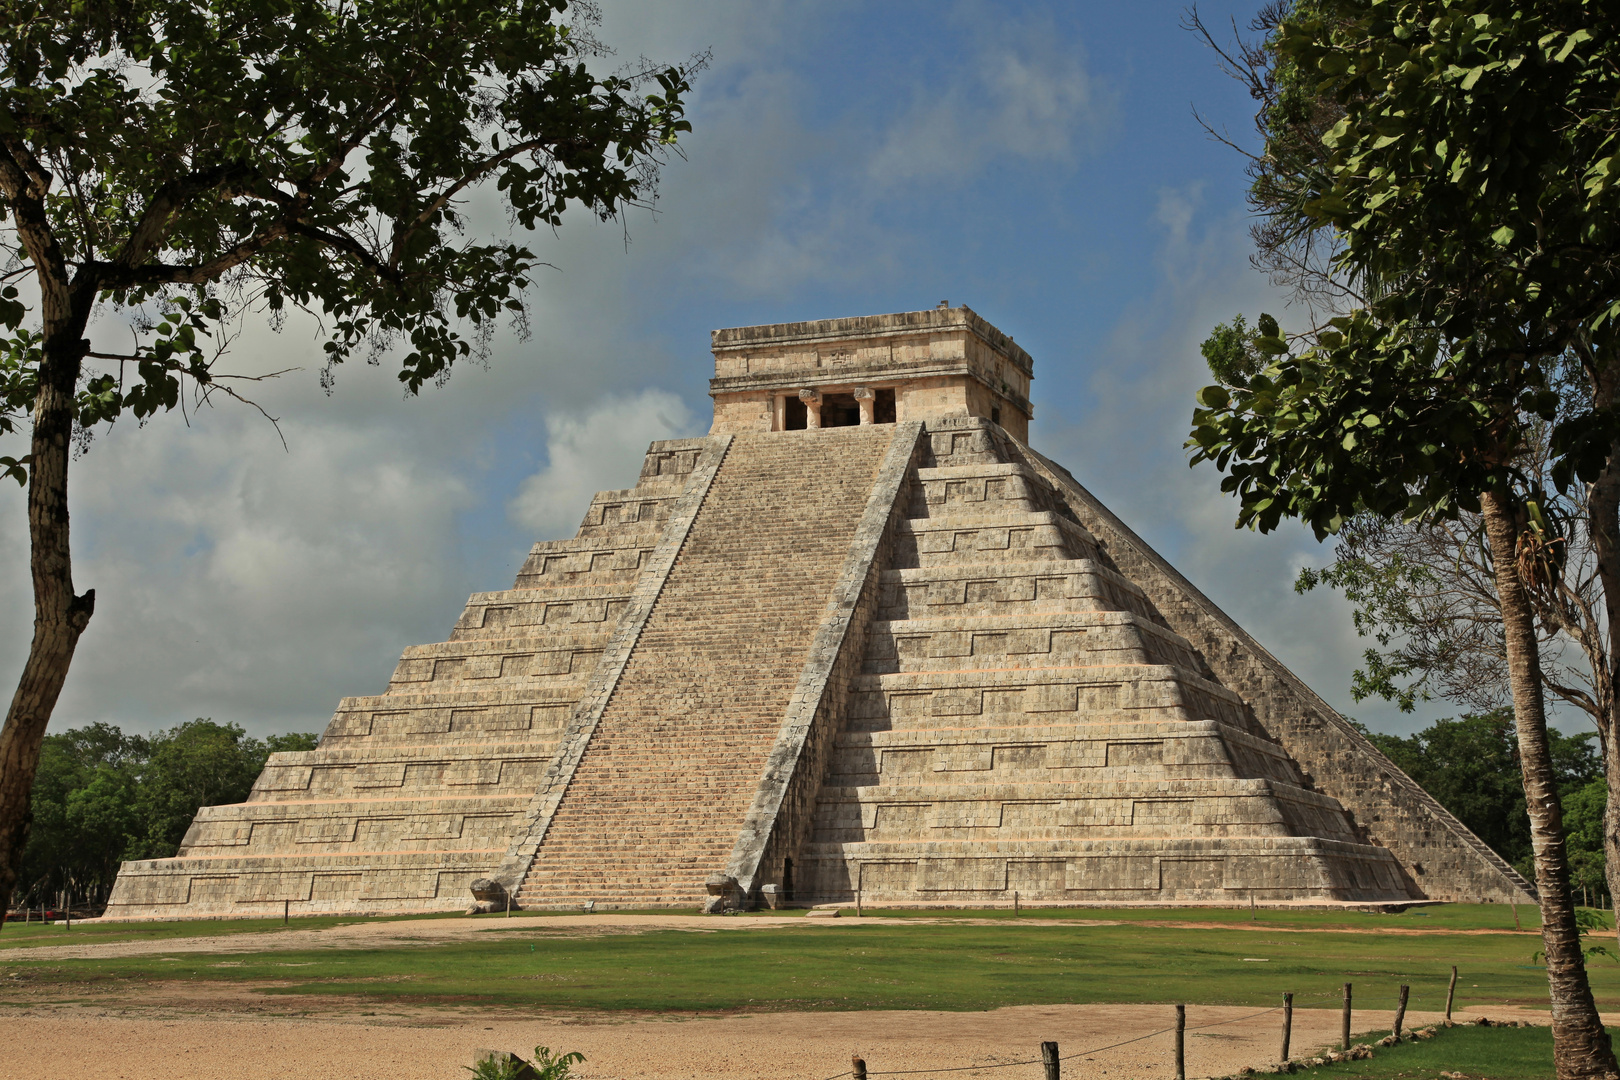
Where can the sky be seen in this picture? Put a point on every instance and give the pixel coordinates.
(1037, 162)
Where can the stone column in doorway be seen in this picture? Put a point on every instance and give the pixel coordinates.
(864, 398)
(812, 407)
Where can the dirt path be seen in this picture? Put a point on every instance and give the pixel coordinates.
(406, 933)
(172, 1032)
(224, 1032)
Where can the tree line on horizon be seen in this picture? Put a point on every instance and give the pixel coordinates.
(102, 796)
(1471, 766)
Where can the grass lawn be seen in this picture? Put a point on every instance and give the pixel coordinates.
(1442, 917)
(852, 964)
(16, 935)
(1492, 1053)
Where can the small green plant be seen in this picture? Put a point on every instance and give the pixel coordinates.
(1586, 920)
(511, 1067)
(547, 1067)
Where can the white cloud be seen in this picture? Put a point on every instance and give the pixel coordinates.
(791, 199)
(594, 450)
(1022, 95)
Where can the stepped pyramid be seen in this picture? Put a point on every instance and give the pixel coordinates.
(859, 640)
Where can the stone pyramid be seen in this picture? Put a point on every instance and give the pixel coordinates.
(860, 640)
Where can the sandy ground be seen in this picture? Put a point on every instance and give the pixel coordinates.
(177, 1040)
(219, 1030)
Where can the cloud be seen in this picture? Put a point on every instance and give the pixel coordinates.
(592, 451)
(1023, 94)
(809, 188)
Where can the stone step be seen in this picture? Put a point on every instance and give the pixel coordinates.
(717, 660)
(1080, 639)
(1158, 869)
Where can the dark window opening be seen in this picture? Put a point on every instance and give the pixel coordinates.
(883, 407)
(797, 417)
(995, 414)
(787, 879)
(840, 410)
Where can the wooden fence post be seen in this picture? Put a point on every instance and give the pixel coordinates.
(857, 1066)
(1288, 1024)
(1400, 1011)
(1344, 1024)
(1181, 1042)
(1451, 992)
(286, 912)
(1049, 1061)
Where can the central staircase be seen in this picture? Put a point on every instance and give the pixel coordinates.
(658, 798)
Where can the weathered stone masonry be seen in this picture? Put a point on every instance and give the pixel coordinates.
(861, 637)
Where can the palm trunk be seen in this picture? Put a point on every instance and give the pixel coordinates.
(1603, 523)
(1581, 1046)
(59, 616)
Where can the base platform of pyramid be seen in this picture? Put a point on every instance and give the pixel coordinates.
(859, 641)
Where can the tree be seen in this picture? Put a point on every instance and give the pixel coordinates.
(200, 763)
(1424, 588)
(1583, 827)
(101, 797)
(1471, 187)
(188, 163)
(1471, 765)
(84, 812)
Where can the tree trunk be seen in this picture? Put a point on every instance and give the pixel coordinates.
(1580, 1044)
(1603, 524)
(59, 616)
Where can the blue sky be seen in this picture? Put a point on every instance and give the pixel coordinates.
(1038, 162)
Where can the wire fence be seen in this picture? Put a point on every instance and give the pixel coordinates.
(862, 1073)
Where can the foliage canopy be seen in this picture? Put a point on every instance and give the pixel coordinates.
(102, 796)
(1483, 219)
(192, 160)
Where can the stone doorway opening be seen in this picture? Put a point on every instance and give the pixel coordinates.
(883, 407)
(796, 417)
(840, 410)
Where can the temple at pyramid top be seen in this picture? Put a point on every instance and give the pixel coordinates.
(859, 642)
(876, 369)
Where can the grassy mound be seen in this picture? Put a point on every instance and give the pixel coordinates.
(1477, 1053)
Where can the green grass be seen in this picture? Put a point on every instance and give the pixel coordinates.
(950, 964)
(17, 935)
(1439, 917)
(1443, 917)
(1492, 1053)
